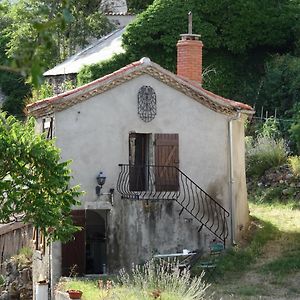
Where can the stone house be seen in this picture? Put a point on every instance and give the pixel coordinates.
(97, 51)
(161, 161)
(115, 6)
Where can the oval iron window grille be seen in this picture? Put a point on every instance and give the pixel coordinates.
(146, 103)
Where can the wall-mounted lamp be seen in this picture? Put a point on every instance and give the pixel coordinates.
(101, 178)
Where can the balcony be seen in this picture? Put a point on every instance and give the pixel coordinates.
(148, 182)
(151, 182)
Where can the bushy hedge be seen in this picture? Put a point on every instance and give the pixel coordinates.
(13, 86)
(294, 129)
(294, 163)
(263, 154)
(280, 88)
(138, 5)
(16, 91)
(237, 36)
(95, 71)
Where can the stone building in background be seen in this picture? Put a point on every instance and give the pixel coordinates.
(98, 51)
(114, 6)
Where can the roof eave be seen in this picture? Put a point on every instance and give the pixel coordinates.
(47, 106)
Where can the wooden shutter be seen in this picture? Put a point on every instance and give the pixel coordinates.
(73, 252)
(166, 154)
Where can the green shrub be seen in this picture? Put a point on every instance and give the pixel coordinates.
(281, 84)
(275, 195)
(95, 71)
(294, 129)
(165, 280)
(44, 91)
(264, 153)
(138, 5)
(16, 91)
(269, 128)
(2, 280)
(230, 47)
(146, 282)
(26, 252)
(294, 163)
(268, 195)
(295, 135)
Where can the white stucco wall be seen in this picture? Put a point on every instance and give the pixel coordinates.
(94, 135)
(120, 20)
(240, 203)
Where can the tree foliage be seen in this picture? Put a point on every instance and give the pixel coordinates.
(34, 184)
(237, 26)
(295, 127)
(94, 71)
(238, 36)
(35, 35)
(280, 88)
(42, 33)
(138, 5)
(13, 86)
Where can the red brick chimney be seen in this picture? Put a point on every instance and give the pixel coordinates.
(189, 55)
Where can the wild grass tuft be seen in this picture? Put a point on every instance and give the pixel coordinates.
(264, 153)
(27, 252)
(294, 164)
(2, 280)
(275, 195)
(164, 279)
(146, 282)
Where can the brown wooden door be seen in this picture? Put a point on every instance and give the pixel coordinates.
(138, 159)
(166, 154)
(73, 252)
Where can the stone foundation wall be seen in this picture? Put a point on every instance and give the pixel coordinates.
(58, 82)
(18, 279)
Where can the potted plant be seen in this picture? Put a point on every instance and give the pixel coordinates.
(74, 294)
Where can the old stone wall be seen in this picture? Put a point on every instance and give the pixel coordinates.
(40, 266)
(18, 279)
(114, 6)
(13, 237)
(61, 83)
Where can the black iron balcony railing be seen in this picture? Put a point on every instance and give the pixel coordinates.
(151, 182)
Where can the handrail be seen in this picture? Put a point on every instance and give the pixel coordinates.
(153, 182)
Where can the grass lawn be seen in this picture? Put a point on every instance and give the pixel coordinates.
(269, 267)
(92, 292)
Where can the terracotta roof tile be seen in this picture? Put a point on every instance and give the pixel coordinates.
(135, 69)
(83, 87)
(236, 104)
